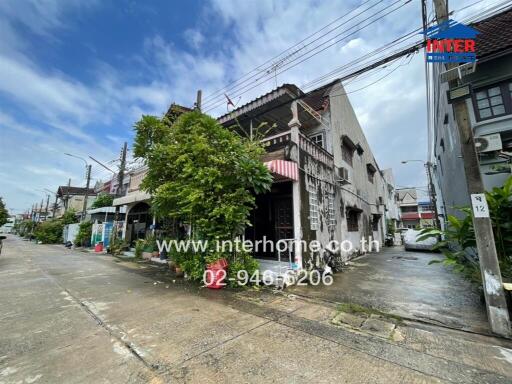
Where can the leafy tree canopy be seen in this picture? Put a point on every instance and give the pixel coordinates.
(103, 200)
(69, 217)
(4, 214)
(201, 173)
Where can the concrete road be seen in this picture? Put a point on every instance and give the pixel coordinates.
(405, 284)
(74, 317)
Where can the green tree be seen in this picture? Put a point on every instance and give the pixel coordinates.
(4, 214)
(69, 217)
(201, 173)
(103, 200)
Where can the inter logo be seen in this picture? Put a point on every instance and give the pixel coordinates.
(451, 42)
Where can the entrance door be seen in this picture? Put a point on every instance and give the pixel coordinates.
(283, 213)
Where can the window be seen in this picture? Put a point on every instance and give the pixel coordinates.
(347, 150)
(375, 222)
(331, 217)
(347, 154)
(493, 101)
(370, 170)
(313, 209)
(318, 139)
(352, 221)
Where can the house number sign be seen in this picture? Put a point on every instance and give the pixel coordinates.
(479, 203)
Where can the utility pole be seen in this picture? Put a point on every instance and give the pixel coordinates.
(55, 206)
(46, 209)
(40, 210)
(122, 169)
(120, 179)
(67, 196)
(88, 177)
(198, 100)
(432, 192)
(496, 304)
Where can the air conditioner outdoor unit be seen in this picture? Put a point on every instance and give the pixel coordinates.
(342, 175)
(457, 72)
(488, 143)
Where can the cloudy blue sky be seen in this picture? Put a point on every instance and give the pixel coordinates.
(76, 75)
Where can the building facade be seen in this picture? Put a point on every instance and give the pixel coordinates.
(490, 115)
(327, 184)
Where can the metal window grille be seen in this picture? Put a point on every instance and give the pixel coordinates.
(313, 209)
(331, 218)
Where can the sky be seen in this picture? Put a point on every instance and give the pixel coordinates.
(76, 75)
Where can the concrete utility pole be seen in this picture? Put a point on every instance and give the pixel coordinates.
(40, 210)
(120, 178)
(88, 177)
(46, 209)
(67, 196)
(433, 195)
(198, 100)
(497, 312)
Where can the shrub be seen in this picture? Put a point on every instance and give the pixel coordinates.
(139, 248)
(103, 200)
(49, 232)
(83, 237)
(459, 237)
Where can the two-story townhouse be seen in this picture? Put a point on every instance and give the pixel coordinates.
(327, 184)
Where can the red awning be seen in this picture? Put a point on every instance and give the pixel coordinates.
(287, 169)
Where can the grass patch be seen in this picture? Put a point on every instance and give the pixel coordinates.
(357, 309)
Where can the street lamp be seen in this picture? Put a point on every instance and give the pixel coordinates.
(88, 177)
(432, 192)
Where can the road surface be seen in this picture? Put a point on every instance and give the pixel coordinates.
(74, 317)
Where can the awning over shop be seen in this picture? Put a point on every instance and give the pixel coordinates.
(287, 169)
(133, 197)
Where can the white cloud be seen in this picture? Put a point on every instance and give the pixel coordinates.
(193, 37)
(245, 34)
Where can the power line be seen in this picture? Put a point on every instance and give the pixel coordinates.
(261, 67)
(316, 50)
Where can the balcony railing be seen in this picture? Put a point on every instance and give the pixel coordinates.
(315, 151)
(276, 142)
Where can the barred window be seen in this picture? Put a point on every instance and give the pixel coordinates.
(331, 216)
(313, 209)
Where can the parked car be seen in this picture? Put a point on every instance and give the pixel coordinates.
(412, 244)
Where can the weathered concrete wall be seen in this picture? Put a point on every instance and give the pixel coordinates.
(450, 180)
(360, 193)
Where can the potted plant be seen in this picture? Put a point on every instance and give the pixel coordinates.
(147, 250)
(139, 248)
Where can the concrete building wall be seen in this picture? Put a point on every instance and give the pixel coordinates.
(450, 181)
(319, 183)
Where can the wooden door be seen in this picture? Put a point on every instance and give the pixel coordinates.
(283, 214)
